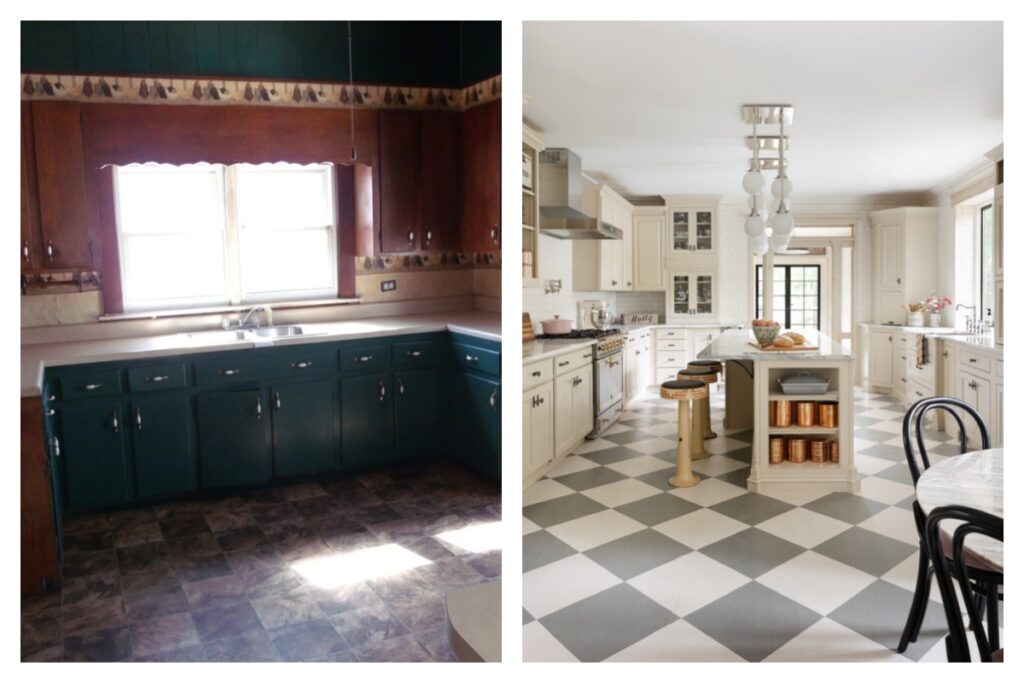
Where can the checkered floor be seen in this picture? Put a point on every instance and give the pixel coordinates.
(620, 566)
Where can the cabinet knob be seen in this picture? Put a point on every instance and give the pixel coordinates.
(414, 354)
(945, 354)
(614, 282)
(362, 359)
(535, 373)
(412, 236)
(899, 280)
(473, 359)
(228, 372)
(494, 234)
(49, 250)
(138, 419)
(629, 284)
(430, 236)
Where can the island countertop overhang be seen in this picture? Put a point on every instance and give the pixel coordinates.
(736, 345)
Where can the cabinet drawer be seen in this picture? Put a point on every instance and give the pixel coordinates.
(156, 377)
(665, 375)
(538, 373)
(669, 333)
(977, 362)
(916, 391)
(570, 361)
(671, 345)
(369, 358)
(89, 384)
(298, 361)
(923, 376)
(225, 371)
(671, 359)
(476, 358)
(417, 354)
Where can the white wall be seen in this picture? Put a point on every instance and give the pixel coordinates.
(556, 264)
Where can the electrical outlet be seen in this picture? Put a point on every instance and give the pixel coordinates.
(389, 285)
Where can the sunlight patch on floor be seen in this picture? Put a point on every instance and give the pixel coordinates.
(344, 569)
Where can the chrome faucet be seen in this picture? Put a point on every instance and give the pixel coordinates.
(245, 321)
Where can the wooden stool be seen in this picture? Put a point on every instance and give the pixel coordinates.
(715, 365)
(685, 392)
(706, 366)
(701, 412)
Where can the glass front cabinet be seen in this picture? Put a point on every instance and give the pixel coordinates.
(691, 295)
(692, 231)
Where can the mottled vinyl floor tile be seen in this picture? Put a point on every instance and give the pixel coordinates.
(91, 587)
(95, 614)
(367, 625)
(172, 632)
(314, 640)
(401, 649)
(159, 603)
(426, 612)
(249, 647)
(103, 645)
(217, 592)
(285, 609)
(226, 621)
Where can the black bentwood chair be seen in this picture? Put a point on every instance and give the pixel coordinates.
(912, 432)
(974, 522)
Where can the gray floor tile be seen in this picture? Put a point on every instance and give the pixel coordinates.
(562, 509)
(622, 438)
(947, 449)
(752, 552)
(588, 479)
(637, 553)
(900, 472)
(751, 508)
(879, 612)
(907, 503)
(885, 451)
(541, 548)
(527, 617)
(659, 478)
(597, 627)
(869, 434)
(660, 508)
(736, 477)
(866, 550)
(609, 456)
(847, 507)
(746, 435)
(753, 621)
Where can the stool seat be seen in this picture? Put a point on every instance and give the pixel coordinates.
(710, 365)
(684, 390)
(695, 375)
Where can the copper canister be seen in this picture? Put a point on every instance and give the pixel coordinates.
(827, 415)
(776, 449)
(805, 414)
(833, 451)
(797, 449)
(819, 450)
(780, 413)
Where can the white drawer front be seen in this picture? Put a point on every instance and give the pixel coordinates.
(537, 373)
(670, 333)
(570, 361)
(665, 375)
(975, 362)
(671, 345)
(671, 359)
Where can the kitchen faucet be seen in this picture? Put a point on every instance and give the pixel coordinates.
(244, 321)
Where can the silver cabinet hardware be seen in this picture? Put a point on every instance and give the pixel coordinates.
(493, 400)
(157, 379)
(430, 236)
(302, 365)
(277, 401)
(401, 387)
(49, 250)
(383, 391)
(138, 419)
(414, 354)
(55, 443)
(50, 412)
(363, 359)
(563, 363)
(25, 252)
(228, 372)
(93, 387)
(259, 409)
(536, 373)
(412, 236)
(494, 234)
(51, 397)
(473, 359)
(113, 420)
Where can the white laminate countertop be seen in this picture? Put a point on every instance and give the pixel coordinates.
(547, 348)
(36, 357)
(735, 345)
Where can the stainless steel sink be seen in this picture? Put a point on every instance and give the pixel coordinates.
(217, 336)
(279, 331)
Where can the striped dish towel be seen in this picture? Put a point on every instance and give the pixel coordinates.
(922, 351)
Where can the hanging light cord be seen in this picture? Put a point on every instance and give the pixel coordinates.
(351, 84)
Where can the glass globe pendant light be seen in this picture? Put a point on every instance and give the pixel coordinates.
(754, 181)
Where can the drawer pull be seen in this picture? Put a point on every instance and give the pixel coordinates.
(157, 379)
(362, 359)
(536, 373)
(93, 387)
(414, 354)
(972, 360)
(563, 363)
(588, 355)
(228, 372)
(50, 412)
(301, 365)
(473, 359)
(56, 447)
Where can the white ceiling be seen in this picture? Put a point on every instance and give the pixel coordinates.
(654, 107)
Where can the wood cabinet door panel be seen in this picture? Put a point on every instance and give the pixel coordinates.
(480, 168)
(399, 182)
(30, 244)
(439, 226)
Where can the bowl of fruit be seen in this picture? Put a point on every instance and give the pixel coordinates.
(765, 331)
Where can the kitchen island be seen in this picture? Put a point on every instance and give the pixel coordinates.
(752, 391)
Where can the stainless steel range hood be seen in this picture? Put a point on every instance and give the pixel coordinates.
(561, 200)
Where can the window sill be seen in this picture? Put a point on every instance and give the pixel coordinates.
(181, 312)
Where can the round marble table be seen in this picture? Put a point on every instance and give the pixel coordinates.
(974, 479)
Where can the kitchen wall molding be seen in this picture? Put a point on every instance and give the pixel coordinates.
(253, 92)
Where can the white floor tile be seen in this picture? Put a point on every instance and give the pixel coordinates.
(594, 445)
(545, 489)
(724, 444)
(817, 582)
(571, 464)
(700, 528)
(895, 523)
(885, 414)
(596, 529)
(529, 527)
(549, 588)
(904, 575)
(677, 642)
(894, 427)
(709, 492)
(885, 490)
(648, 446)
(638, 466)
(718, 464)
(621, 492)
(617, 428)
(686, 584)
(869, 464)
(804, 527)
(827, 641)
(666, 429)
(540, 646)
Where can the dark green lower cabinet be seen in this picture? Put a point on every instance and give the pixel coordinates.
(417, 415)
(161, 429)
(476, 440)
(95, 454)
(234, 438)
(305, 427)
(366, 421)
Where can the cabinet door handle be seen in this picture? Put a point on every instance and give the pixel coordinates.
(49, 250)
(362, 359)
(536, 373)
(493, 400)
(890, 337)
(303, 364)
(899, 281)
(414, 354)
(412, 236)
(629, 284)
(903, 379)
(401, 387)
(259, 409)
(277, 401)
(539, 400)
(93, 387)
(138, 419)
(494, 234)
(113, 420)
(945, 354)
(228, 372)
(383, 390)
(156, 379)
(50, 412)
(473, 359)
(533, 400)
(614, 282)
(55, 442)
(25, 252)
(430, 236)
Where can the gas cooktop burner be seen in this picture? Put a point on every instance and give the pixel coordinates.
(580, 334)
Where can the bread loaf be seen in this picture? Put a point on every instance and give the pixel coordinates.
(796, 337)
(783, 342)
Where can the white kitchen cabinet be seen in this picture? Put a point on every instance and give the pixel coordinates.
(905, 260)
(574, 401)
(629, 367)
(649, 248)
(670, 353)
(691, 295)
(997, 416)
(638, 361)
(976, 391)
(692, 227)
(538, 428)
(646, 364)
(700, 337)
(881, 345)
(604, 265)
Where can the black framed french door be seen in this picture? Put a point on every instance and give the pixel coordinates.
(796, 291)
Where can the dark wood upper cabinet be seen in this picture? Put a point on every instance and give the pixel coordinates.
(65, 234)
(30, 245)
(439, 176)
(480, 166)
(399, 156)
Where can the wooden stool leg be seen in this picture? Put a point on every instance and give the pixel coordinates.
(708, 434)
(697, 451)
(684, 476)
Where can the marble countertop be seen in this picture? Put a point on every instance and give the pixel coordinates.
(735, 345)
(36, 357)
(984, 342)
(547, 348)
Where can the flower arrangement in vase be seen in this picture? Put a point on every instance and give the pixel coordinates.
(934, 305)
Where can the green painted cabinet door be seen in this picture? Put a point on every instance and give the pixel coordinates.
(477, 421)
(417, 415)
(305, 426)
(161, 429)
(367, 421)
(95, 454)
(234, 438)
